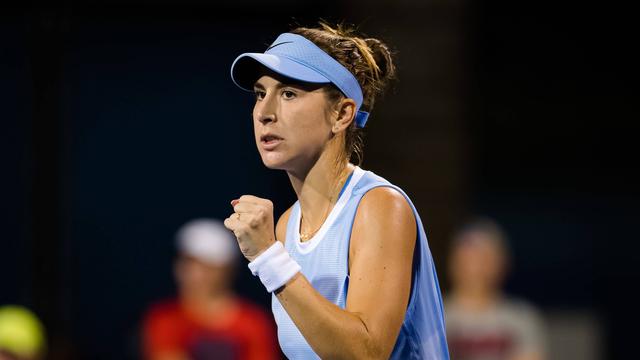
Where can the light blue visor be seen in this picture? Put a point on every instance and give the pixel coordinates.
(295, 57)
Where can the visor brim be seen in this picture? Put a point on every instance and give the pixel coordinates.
(248, 67)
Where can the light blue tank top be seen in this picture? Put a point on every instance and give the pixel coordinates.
(325, 263)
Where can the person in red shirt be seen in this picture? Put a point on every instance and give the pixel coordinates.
(207, 320)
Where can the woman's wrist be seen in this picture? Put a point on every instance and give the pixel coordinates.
(274, 266)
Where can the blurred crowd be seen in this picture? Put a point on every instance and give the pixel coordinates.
(483, 323)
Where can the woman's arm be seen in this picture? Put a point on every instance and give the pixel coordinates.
(381, 253)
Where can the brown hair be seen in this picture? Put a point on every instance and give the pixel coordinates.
(368, 59)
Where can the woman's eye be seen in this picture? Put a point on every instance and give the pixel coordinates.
(288, 94)
(259, 94)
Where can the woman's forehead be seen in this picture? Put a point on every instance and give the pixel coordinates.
(265, 81)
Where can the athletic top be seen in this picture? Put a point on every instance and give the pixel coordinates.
(325, 263)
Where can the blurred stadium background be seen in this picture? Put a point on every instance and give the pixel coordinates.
(119, 122)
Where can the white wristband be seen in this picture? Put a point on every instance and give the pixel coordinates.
(274, 267)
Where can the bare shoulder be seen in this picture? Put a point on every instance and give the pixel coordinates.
(281, 225)
(384, 201)
(384, 217)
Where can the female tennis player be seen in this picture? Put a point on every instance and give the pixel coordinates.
(348, 265)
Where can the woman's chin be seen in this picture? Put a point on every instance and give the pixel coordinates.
(273, 162)
(273, 167)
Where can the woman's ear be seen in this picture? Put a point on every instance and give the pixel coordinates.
(346, 114)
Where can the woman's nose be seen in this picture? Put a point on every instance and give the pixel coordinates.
(266, 118)
(265, 110)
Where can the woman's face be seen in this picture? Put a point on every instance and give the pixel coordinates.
(292, 122)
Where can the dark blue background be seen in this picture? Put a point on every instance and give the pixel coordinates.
(119, 123)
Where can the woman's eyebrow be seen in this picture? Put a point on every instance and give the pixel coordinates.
(259, 86)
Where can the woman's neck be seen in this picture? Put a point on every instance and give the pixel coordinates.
(317, 189)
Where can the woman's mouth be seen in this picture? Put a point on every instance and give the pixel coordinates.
(270, 141)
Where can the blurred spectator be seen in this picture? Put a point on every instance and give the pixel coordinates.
(207, 320)
(21, 334)
(482, 323)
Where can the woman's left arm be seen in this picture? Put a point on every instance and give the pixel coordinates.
(381, 253)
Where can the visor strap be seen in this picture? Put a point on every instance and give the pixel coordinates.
(361, 118)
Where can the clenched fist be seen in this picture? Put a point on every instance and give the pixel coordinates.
(252, 223)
